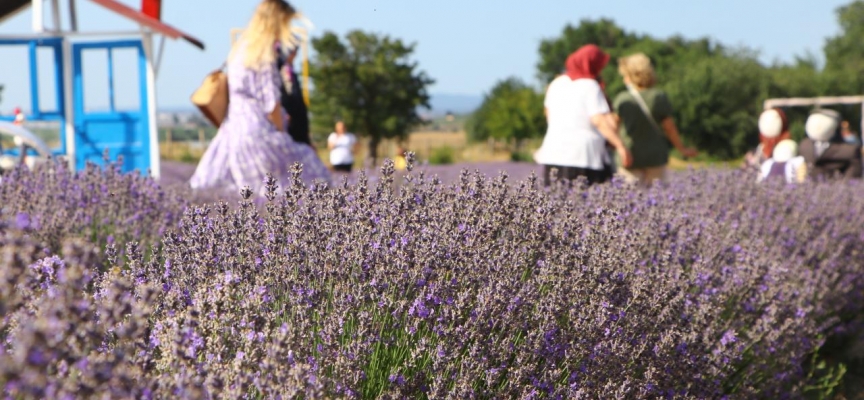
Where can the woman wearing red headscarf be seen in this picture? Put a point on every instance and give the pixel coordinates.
(580, 122)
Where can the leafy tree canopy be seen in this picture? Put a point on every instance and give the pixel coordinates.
(368, 81)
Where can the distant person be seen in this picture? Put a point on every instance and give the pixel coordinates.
(19, 117)
(849, 136)
(292, 96)
(251, 142)
(773, 129)
(343, 146)
(400, 162)
(647, 126)
(580, 122)
(826, 158)
(785, 163)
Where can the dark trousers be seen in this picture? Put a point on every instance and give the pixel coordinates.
(342, 167)
(570, 173)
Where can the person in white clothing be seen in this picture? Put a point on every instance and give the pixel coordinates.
(343, 146)
(784, 163)
(580, 122)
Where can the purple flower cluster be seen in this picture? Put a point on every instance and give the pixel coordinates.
(712, 286)
(102, 206)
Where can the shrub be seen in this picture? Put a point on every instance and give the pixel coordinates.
(100, 205)
(442, 155)
(521, 156)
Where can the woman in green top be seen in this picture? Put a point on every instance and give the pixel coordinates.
(648, 141)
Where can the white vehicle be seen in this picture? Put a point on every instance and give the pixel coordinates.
(24, 141)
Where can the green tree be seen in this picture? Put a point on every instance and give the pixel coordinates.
(614, 40)
(511, 110)
(844, 58)
(370, 83)
(717, 91)
(844, 54)
(717, 103)
(603, 33)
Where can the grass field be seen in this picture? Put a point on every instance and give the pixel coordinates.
(429, 147)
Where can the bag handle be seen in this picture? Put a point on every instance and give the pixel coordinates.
(222, 67)
(645, 110)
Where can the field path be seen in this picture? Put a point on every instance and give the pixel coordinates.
(176, 173)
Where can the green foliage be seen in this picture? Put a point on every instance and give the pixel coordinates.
(368, 81)
(521, 156)
(665, 54)
(844, 54)
(511, 110)
(717, 101)
(442, 155)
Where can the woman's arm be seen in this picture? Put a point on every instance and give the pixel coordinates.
(672, 134)
(614, 121)
(330, 144)
(604, 124)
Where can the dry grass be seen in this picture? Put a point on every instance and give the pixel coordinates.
(424, 144)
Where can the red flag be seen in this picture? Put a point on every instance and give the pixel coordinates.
(152, 8)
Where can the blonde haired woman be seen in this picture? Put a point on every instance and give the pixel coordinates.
(252, 140)
(646, 123)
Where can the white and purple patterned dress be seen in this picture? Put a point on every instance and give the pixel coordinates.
(248, 146)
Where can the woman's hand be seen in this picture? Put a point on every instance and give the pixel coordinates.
(688, 152)
(626, 157)
(275, 118)
(604, 123)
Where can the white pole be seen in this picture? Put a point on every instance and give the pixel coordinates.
(38, 25)
(158, 61)
(55, 13)
(73, 17)
(69, 112)
(155, 167)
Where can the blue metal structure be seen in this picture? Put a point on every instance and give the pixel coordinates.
(37, 114)
(86, 134)
(121, 132)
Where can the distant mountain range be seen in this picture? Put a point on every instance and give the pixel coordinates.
(455, 103)
(441, 103)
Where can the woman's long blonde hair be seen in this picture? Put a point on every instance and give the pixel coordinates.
(271, 23)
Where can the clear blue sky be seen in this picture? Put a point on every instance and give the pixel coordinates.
(466, 45)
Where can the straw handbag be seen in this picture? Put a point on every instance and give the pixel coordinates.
(212, 96)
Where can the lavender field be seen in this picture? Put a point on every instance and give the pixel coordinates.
(477, 286)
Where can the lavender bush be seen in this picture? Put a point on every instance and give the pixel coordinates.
(96, 204)
(710, 287)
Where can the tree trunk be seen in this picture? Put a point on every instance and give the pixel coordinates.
(373, 151)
